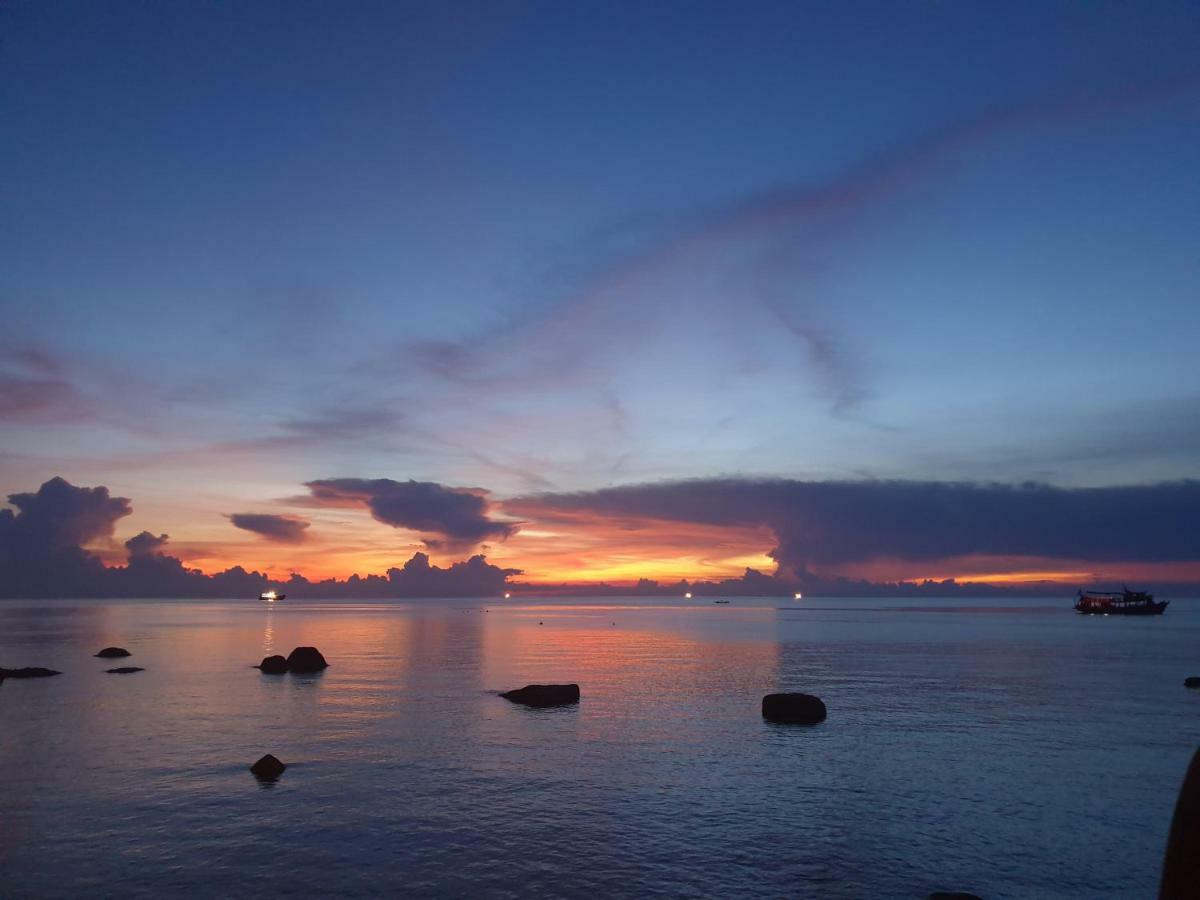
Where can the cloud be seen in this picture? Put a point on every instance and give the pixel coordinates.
(41, 556)
(40, 544)
(33, 387)
(145, 544)
(835, 523)
(458, 516)
(62, 515)
(746, 261)
(281, 529)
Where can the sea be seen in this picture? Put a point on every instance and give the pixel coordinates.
(1010, 748)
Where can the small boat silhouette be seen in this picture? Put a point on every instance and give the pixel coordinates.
(271, 596)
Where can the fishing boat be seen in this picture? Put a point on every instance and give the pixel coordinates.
(720, 601)
(1119, 603)
(271, 596)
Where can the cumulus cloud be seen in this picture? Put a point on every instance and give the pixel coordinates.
(41, 555)
(40, 544)
(145, 544)
(458, 517)
(280, 529)
(832, 523)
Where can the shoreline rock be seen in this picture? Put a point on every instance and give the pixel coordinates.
(544, 695)
(793, 709)
(124, 670)
(113, 653)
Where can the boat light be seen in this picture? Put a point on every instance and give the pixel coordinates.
(687, 596)
(507, 596)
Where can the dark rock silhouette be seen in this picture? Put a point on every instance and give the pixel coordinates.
(273, 665)
(28, 672)
(306, 659)
(1181, 864)
(793, 709)
(1193, 681)
(543, 695)
(268, 768)
(953, 895)
(124, 670)
(113, 653)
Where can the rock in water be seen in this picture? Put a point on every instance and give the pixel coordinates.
(273, 665)
(113, 653)
(542, 695)
(28, 672)
(306, 659)
(793, 709)
(124, 670)
(953, 895)
(1193, 681)
(268, 768)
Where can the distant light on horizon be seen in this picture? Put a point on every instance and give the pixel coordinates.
(798, 596)
(687, 596)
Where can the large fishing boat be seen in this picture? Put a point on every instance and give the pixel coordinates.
(1119, 603)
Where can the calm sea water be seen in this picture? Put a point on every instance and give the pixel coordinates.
(1011, 748)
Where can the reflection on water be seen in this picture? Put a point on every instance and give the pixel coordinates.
(960, 751)
(268, 644)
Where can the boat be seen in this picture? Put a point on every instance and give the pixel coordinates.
(720, 601)
(1119, 603)
(271, 596)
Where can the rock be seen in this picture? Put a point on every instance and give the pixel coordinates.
(273, 665)
(1193, 681)
(125, 670)
(543, 695)
(1181, 863)
(113, 653)
(953, 895)
(28, 672)
(268, 768)
(794, 709)
(306, 659)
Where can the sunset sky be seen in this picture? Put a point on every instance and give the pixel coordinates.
(627, 290)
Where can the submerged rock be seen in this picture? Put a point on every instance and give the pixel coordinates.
(268, 768)
(953, 895)
(793, 709)
(306, 659)
(1193, 681)
(113, 653)
(542, 695)
(28, 672)
(273, 665)
(124, 670)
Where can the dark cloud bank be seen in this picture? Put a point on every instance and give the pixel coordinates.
(816, 524)
(281, 529)
(830, 524)
(458, 516)
(41, 556)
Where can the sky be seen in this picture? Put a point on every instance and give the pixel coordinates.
(604, 291)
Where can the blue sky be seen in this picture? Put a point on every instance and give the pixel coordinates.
(562, 246)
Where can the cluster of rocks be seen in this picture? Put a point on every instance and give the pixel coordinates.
(40, 672)
(301, 661)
